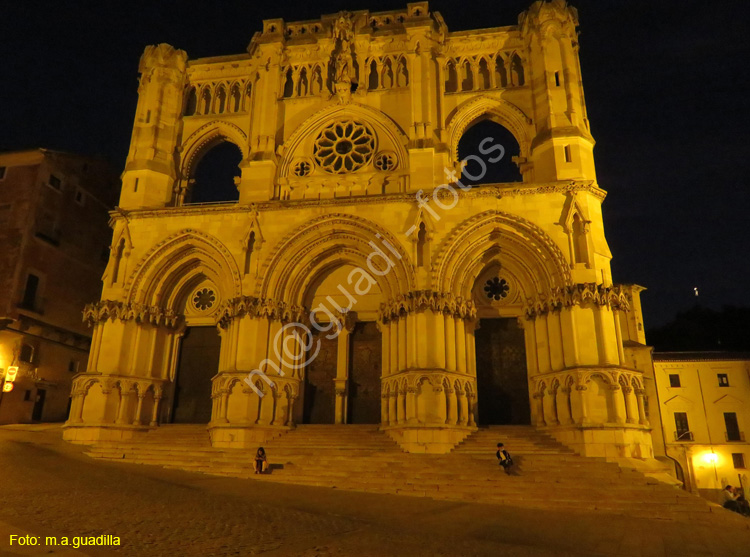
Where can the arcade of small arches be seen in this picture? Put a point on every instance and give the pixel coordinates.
(475, 73)
(224, 97)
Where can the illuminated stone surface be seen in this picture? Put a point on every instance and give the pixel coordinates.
(341, 123)
(59, 491)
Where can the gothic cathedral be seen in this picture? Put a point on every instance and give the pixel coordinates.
(362, 271)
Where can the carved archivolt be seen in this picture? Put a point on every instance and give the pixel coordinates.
(613, 297)
(421, 300)
(165, 266)
(507, 238)
(110, 309)
(205, 137)
(328, 241)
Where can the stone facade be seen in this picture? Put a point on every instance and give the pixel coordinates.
(350, 213)
(53, 231)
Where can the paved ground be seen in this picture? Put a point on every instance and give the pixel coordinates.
(48, 488)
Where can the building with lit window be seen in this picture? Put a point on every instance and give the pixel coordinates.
(705, 411)
(54, 237)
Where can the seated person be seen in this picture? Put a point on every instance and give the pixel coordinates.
(261, 462)
(729, 499)
(504, 458)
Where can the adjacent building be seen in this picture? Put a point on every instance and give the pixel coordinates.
(55, 239)
(705, 411)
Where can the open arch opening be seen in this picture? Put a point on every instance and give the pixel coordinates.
(214, 177)
(493, 169)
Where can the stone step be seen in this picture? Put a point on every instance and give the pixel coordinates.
(362, 458)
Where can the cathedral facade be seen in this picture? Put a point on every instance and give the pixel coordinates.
(359, 277)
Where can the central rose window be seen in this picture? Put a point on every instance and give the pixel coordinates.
(344, 146)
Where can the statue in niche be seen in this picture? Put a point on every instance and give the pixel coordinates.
(344, 74)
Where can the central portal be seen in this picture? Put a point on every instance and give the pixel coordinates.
(199, 362)
(502, 378)
(364, 374)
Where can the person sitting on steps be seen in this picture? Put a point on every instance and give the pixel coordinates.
(504, 458)
(261, 462)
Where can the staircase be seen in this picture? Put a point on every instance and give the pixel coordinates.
(361, 458)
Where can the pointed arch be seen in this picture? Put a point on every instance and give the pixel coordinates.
(520, 246)
(331, 241)
(206, 137)
(163, 276)
(501, 111)
(388, 132)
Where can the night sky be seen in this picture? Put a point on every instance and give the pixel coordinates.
(666, 86)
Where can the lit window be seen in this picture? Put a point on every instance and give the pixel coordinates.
(738, 459)
(682, 429)
(674, 380)
(723, 379)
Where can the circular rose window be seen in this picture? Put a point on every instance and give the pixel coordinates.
(344, 146)
(204, 299)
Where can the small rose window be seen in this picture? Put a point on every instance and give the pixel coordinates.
(204, 299)
(496, 288)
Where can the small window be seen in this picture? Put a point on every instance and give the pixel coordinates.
(73, 366)
(738, 459)
(30, 292)
(682, 429)
(55, 182)
(557, 79)
(723, 379)
(733, 427)
(80, 197)
(2, 172)
(27, 397)
(568, 156)
(27, 353)
(135, 185)
(674, 380)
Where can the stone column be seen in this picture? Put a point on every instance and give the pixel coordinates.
(640, 394)
(549, 401)
(631, 406)
(411, 406)
(452, 417)
(384, 409)
(281, 409)
(138, 408)
(583, 398)
(618, 404)
(401, 407)
(124, 398)
(463, 408)
(563, 407)
(440, 404)
(539, 409)
(155, 410)
(392, 403)
(346, 322)
(472, 409)
(223, 403)
(79, 397)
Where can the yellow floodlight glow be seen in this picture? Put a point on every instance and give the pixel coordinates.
(711, 458)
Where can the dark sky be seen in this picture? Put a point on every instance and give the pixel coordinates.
(666, 85)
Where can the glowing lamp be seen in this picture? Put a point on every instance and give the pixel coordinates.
(11, 374)
(711, 458)
(7, 387)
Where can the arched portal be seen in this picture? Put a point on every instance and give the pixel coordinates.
(499, 261)
(341, 269)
